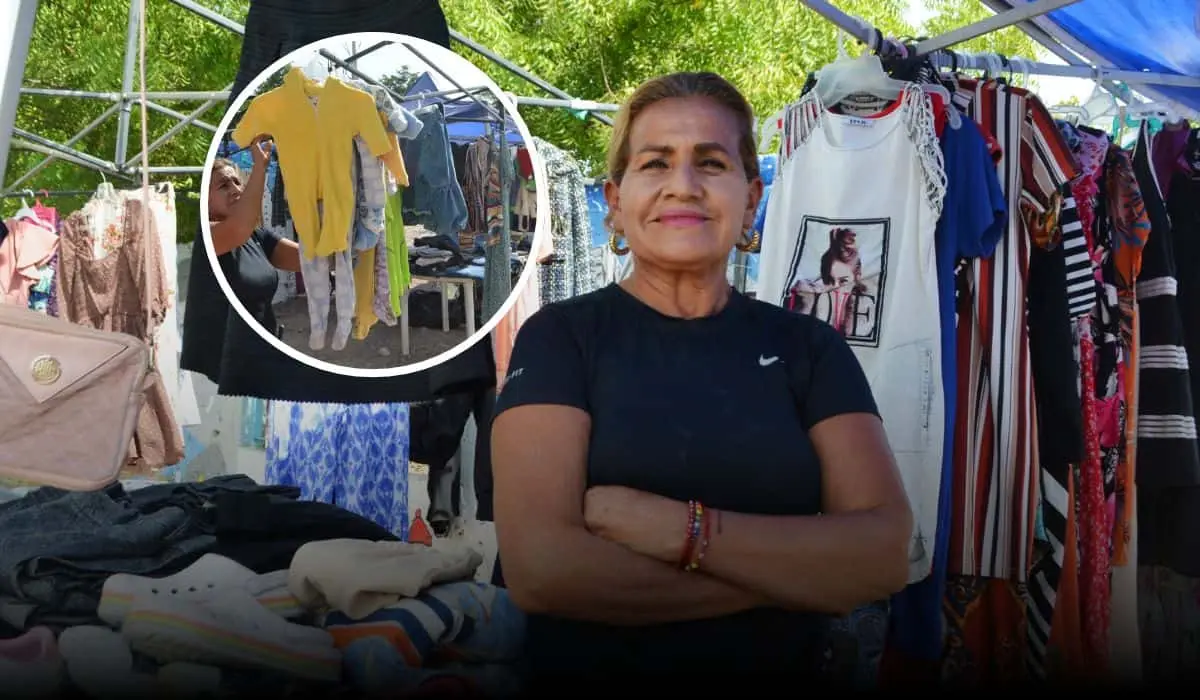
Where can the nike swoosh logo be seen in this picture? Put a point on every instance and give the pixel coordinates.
(767, 361)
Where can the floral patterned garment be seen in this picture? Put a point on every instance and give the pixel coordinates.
(354, 456)
(1131, 230)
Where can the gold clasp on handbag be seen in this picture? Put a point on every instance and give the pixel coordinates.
(45, 369)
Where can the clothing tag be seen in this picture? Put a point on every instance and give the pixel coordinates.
(860, 122)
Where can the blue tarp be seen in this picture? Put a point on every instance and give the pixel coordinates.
(466, 119)
(1160, 36)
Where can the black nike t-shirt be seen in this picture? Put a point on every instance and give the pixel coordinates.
(715, 409)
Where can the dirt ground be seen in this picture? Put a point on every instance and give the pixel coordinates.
(380, 349)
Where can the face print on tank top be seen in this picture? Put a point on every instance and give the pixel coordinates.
(838, 275)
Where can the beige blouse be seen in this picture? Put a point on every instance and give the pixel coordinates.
(124, 291)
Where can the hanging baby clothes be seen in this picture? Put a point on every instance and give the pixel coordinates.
(839, 249)
(315, 145)
(368, 239)
(352, 456)
(314, 127)
(112, 293)
(372, 279)
(396, 262)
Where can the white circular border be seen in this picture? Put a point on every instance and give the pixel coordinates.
(541, 230)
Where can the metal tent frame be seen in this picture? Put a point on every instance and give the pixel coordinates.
(124, 166)
(1029, 17)
(1080, 61)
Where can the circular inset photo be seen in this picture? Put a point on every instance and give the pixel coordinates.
(371, 201)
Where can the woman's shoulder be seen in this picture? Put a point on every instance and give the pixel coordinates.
(582, 309)
(575, 317)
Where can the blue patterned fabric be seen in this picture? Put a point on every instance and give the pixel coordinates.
(254, 416)
(353, 456)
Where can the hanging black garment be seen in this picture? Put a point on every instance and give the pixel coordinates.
(216, 342)
(275, 28)
(1167, 454)
(1169, 518)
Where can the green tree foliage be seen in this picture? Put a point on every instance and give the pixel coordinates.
(1010, 41)
(602, 49)
(399, 81)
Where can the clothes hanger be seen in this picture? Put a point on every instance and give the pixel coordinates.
(27, 212)
(315, 69)
(1100, 103)
(105, 190)
(1073, 114)
(863, 75)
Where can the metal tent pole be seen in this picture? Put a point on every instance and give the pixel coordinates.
(215, 17)
(988, 25)
(16, 28)
(574, 105)
(487, 107)
(519, 71)
(175, 129)
(112, 109)
(505, 243)
(131, 39)
(42, 145)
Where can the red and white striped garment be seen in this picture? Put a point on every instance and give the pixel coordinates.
(995, 454)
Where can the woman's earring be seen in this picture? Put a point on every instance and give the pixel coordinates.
(748, 243)
(614, 244)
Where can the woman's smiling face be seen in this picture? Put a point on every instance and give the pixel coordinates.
(684, 199)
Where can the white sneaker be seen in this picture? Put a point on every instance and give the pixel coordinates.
(210, 575)
(229, 631)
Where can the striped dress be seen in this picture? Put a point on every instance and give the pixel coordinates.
(995, 462)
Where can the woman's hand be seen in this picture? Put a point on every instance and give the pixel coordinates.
(260, 151)
(648, 524)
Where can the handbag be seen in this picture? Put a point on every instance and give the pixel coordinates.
(70, 397)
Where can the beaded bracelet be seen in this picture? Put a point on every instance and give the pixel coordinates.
(700, 543)
(690, 535)
(697, 537)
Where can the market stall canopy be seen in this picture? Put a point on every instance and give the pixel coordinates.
(1159, 36)
(466, 119)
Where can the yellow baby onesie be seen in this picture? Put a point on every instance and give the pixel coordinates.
(316, 153)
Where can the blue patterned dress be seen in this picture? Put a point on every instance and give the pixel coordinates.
(354, 456)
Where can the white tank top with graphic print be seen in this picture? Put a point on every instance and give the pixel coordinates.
(849, 238)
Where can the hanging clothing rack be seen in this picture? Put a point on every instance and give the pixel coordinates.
(46, 194)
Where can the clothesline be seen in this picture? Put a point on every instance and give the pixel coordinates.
(46, 193)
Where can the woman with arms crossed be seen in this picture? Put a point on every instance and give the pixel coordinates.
(688, 482)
